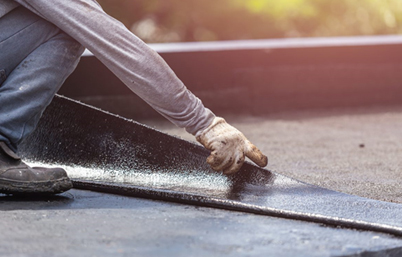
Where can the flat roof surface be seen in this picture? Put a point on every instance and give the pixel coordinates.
(84, 223)
(356, 151)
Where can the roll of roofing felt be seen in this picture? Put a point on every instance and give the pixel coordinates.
(107, 153)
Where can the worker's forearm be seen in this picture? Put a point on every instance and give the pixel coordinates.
(130, 59)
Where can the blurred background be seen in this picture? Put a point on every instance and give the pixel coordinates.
(158, 21)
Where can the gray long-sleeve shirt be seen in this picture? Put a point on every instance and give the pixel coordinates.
(138, 66)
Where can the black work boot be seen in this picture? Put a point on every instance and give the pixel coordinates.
(18, 178)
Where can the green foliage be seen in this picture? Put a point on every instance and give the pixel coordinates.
(205, 20)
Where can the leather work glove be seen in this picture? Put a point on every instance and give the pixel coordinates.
(229, 147)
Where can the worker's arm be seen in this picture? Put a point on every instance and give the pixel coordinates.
(143, 71)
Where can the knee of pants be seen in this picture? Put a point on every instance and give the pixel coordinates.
(21, 33)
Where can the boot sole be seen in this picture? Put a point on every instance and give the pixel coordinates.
(43, 187)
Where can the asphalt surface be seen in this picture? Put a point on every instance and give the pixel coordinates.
(84, 223)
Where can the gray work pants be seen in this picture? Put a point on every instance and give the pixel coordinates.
(35, 59)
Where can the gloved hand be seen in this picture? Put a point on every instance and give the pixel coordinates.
(229, 147)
